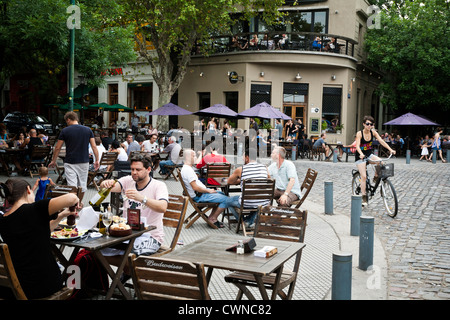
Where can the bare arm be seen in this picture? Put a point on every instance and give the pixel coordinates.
(235, 177)
(57, 204)
(56, 153)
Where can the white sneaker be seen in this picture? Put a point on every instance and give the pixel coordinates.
(364, 201)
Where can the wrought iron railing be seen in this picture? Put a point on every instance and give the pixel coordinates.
(271, 41)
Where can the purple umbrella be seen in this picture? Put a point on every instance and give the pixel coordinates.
(170, 109)
(219, 111)
(410, 119)
(265, 111)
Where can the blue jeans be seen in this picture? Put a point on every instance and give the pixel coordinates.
(218, 197)
(163, 164)
(234, 202)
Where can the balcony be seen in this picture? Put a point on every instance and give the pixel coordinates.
(272, 41)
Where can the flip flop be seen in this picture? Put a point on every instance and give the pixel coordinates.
(219, 224)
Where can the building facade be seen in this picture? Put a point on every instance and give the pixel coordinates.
(324, 85)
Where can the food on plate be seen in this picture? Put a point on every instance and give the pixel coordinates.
(65, 233)
(120, 226)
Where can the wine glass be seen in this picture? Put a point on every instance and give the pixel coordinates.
(107, 220)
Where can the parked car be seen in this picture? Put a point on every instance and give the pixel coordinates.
(16, 120)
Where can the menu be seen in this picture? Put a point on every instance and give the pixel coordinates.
(134, 218)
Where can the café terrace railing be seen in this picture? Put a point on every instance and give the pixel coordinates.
(271, 41)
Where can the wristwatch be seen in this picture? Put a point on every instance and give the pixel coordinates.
(144, 201)
(286, 194)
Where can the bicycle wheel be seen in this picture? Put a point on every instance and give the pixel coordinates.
(389, 197)
(356, 184)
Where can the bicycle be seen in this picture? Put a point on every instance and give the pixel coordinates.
(387, 189)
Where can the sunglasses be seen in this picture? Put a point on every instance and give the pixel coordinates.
(369, 124)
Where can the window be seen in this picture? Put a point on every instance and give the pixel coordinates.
(294, 92)
(331, 108)
(204, 100)
(260, 93)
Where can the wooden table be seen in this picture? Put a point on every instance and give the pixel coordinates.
(14, 156)
(211, 251)
(95, 245)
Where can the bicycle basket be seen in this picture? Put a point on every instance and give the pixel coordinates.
(387, 170)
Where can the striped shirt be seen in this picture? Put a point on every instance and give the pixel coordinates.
(253, 170)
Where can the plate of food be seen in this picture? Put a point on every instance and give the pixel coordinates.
(67, 234)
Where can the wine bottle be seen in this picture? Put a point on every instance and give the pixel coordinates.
(101, 195)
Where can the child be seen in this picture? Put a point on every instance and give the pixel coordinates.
(41, 183)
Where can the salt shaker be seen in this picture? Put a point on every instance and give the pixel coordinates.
(240, 247)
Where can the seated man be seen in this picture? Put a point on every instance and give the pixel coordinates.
(173, 149)
(321, 143)
(250, 170)
(198, 191)
(287, 186)
(147, 195)
(211, 156)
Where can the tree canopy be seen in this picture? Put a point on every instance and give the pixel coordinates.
(35, 39)
(412, 48)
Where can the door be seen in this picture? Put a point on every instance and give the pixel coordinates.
(297, 112)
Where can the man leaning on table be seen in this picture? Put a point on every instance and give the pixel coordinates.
(147, 195)
(287, 186)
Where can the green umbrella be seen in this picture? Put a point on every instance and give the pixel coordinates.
(118, 107)
(76, 107)
(102, 105)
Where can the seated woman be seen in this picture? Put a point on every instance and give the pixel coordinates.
(347, 149)
(25, 227)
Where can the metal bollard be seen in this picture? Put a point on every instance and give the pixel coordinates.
(448, 155)
(366, 242)
(239, 150)
(434, 156)
(335, 155)
(294, 153)
(341, 283)
(355, 215)
(328, 197)
(408, 156)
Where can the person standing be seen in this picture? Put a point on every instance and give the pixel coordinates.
(287, 186)
(76, 162)
(437, 145)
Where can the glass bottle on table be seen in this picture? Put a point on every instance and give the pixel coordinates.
(101, 226)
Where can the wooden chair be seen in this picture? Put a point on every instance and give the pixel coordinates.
(261, 190)
(97, 176)
(8, 278)
(217, 171)
(174, 218)
(287, 224)
(171, 169)
(161, 278)
(306, 187)
(59, 190)
(200, 208)
(318, 154)
(38, 158)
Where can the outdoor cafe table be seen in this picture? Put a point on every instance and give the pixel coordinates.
(14, 156)
(95, 245)
(211, 251)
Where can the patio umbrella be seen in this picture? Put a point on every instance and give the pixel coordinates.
(219, 111)
(170, 109)
(265, 111)
(410, 119)
(101, 105)
(118, 107)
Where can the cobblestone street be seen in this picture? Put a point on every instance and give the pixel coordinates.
(417, 241)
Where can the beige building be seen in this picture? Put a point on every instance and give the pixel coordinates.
(323, 85)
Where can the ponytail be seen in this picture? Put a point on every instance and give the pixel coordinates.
(13, 189)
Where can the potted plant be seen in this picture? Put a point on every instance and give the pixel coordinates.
(339, 128)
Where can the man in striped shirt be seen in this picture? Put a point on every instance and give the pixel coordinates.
(250, 170)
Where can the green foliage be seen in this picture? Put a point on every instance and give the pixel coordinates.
(35, 40)
(412, 47)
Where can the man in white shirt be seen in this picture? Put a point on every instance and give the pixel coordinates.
(287, 186)
(151, 145)
(173, 149)
(199, 192)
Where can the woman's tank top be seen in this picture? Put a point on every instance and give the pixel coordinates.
(365, 145)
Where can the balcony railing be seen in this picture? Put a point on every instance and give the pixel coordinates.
(271, 41)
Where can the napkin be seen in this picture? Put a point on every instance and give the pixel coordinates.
(88, 218)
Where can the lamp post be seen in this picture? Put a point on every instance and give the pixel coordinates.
(73, 22)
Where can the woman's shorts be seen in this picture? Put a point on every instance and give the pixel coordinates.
(371, 157)
(436, 148)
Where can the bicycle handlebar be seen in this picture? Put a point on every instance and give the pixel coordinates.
(366, 158)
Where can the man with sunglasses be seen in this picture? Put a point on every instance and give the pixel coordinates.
(364, 149)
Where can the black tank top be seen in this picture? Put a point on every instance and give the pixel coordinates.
(366, 146)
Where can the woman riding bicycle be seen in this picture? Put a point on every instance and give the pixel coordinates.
(365, 148)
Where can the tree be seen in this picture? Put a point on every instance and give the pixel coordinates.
(166, 32)
(35, 39)
(412, 48)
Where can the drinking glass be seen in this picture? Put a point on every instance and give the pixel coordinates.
(107, 220)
